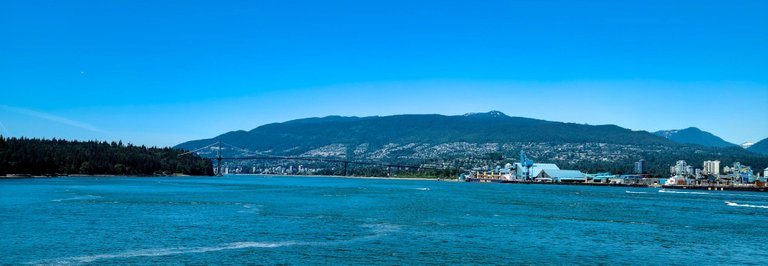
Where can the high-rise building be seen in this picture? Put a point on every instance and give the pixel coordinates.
(681, 168)
(639, 165)
(712, 168)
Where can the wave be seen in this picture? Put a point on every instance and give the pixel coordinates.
(746, 195)
(683, 192)
(719, 193)
(381, 229)
(85, 197)
(378, 230)
(636, 192)
(734, 204)
(248, 208)
(164, 252)
(422, 188)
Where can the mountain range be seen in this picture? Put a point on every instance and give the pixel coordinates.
(694, 135)
(470, 139)
(697, 136)
(760, 147)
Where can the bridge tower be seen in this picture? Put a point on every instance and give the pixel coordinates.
(218, 159)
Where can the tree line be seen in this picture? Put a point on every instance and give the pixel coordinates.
(62, 157)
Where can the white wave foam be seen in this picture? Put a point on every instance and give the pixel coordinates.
(164, 252)
(382, 228)
(746, 195)
(378, 230)
(720, 193)
(684, 192)
(422, 188)
(248, 208)
(734, 204)
(636, 192)
(85, 197)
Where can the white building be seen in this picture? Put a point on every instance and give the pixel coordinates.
(712, 168)
(554, 175)
(534, 171)
(681, 168)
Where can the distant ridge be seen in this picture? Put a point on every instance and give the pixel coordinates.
(491, 114)
(466, 139)
(760, 147)
(302, 135)
(696, 136)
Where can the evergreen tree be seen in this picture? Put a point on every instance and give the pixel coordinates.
(59, 157)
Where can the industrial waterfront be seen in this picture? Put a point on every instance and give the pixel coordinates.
(683, 176)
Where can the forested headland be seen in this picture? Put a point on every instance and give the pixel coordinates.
(62, 157)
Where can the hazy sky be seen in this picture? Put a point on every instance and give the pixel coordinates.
(162, 73)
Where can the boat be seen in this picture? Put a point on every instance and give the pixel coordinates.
(675, 180)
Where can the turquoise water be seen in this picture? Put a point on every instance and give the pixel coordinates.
(320, 220)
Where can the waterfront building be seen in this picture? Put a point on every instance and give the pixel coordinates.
(681, 168)
(742, 173)
(564, 176)
(736, 172)
(534, 171)
(600, 177)
(712, 168)
(639, 165)
(497, 173)
(627, 180)
(747, 175)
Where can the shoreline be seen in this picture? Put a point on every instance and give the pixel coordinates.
(361, 177)
(25, 176)
(743, 188)
(678, 187)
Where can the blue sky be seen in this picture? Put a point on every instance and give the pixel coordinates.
(163, 72)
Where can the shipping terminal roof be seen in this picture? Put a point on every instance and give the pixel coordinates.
(538, 167)
(565, 174)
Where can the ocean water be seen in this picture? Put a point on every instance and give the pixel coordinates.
(322, 220)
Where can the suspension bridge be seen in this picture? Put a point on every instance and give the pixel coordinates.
(248, 155)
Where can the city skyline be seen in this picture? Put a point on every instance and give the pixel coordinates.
(164, 73)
